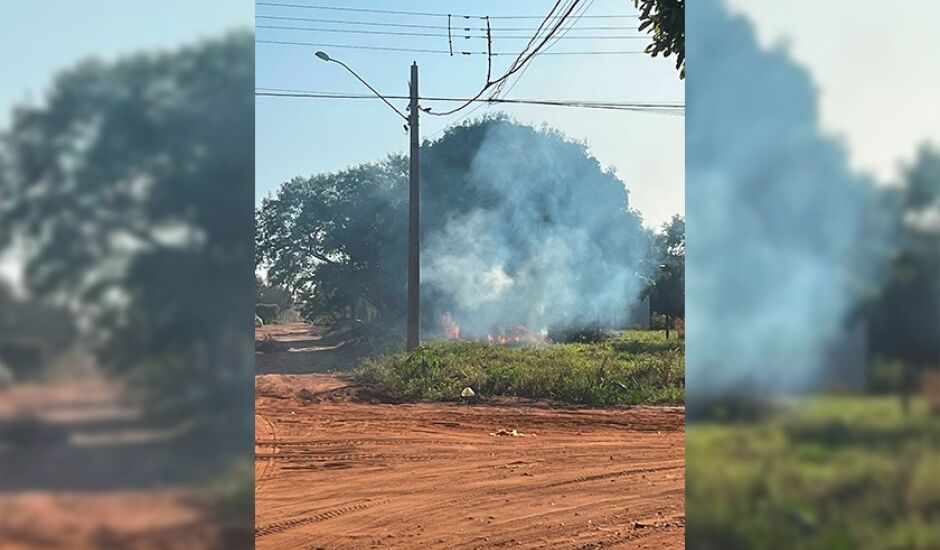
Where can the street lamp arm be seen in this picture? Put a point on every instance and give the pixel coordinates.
(374, 91)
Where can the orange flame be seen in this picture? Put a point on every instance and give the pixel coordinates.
(451, 328)
(513, 336)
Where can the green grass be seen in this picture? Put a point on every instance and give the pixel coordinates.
(633, 367)
(831, 472)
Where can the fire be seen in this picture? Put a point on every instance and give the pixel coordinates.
(517, 335)
(451, 328)
(513, 336)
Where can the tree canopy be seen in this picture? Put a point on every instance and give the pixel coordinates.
(906, 315)
(665, 21)
(504, 206)
(667, 296)
(130, 187)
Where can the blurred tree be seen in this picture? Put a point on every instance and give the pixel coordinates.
(667, 295)
(269, 313)
(272, 294)
(665, 20)
(131, 187)
(906, 316)
(333, 239)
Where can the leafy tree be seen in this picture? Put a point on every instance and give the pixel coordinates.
(272, 294)
(268, 312)
(668, 294)
(337, 238)
(665, 20)
(906, 320)
(131, 187)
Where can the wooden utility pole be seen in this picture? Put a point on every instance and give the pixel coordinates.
(414, 236)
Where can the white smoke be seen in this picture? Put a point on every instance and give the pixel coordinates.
(779, 228)
(554, 243)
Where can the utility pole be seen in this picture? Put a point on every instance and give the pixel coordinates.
(413, 339)
(414, 218)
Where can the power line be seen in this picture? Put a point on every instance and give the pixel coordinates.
(352, 31)
(441, 35)
(351, 95)
(664, 108)
(583, 17)
(527, 53)
(419, 26)
(426, 14)
(563, 33)
(420, 50)
(360, 47)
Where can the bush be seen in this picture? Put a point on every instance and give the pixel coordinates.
(831, 472)
(268, 312)
(583, 335)
(657, 321)
(289, 316)
(267, 345)
(6, 376)
(233, 492)
(598, 374)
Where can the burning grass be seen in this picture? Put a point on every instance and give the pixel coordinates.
(833, 472)
(631, 368)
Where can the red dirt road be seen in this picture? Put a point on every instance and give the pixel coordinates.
(337, 473)
(80, 470)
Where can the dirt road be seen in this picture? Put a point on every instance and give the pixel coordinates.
(334, 472)
(79, 469)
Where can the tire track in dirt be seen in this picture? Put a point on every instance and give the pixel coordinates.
(432, 476)
(280, 526)
(358, 442)
(675, 465)
(261, 477)
(349, 457)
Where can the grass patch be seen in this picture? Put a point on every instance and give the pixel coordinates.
(632, 367)
(831, 472)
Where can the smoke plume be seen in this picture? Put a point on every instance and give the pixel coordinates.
(780, 237)
(529, 231)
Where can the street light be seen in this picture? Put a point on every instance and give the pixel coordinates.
(414, 241)
(323, 55)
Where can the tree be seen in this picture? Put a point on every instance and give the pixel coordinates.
(504, 206)
(131, 188)
(665, 20)
(906, 319)
(668, 294)
(336, 238)
(272, 294)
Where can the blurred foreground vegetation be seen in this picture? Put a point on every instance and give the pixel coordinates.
(629, 368)
(805, 477)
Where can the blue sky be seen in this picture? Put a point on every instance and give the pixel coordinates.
(43, 38)
(874, 65)
(305, 136)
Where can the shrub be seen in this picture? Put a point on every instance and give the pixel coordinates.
(268, 344)
(289, 316)
(268, 312)
(619, 371)
(583, 335)
(827, 472)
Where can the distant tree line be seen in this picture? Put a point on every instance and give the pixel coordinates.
(334, 240)
(130, 189)
(905, 313)
(667, 294)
